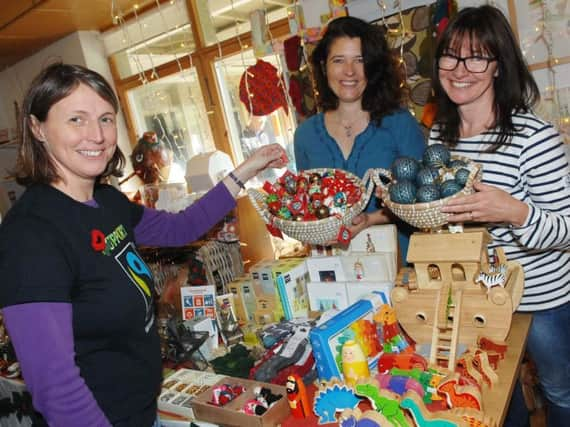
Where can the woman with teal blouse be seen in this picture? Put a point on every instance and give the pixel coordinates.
(363, 124)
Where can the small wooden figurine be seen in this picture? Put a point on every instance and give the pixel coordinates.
(354, 364)
(297, 396)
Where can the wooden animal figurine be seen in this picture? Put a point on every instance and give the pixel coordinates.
(493, 279)
(356, 418)
(423, 418)
(399, 384)
(297, 396)
(394, 341)
(466, 367)
(384, 402)
(332, 398)
(354, 363)
(473, 418)
(487, 344)
(481, 362)
(464, 396)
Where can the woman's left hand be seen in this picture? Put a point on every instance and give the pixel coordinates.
(268, 156)
(487, 204)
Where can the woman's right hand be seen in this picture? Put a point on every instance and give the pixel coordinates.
(268, 156)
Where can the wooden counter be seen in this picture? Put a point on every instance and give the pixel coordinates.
(496, 400)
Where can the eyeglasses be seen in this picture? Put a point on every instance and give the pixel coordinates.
(473, 64)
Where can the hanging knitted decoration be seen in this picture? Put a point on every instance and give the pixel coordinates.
(261, 90)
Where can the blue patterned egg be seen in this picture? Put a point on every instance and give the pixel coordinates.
(405, 168)
(449, 188)
(456, 163)
(461, 176)
(427, 175)
(403, 192)
(436, 155)
(428, 193)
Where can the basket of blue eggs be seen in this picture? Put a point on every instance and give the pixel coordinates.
(416, 190)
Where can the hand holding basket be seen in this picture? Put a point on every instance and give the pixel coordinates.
(319, 231)
(426, 215)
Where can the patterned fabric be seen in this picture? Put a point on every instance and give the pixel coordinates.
(532, 168)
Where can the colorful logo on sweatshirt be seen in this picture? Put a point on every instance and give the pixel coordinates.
(140, 275)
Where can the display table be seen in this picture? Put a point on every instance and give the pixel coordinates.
(495, 400)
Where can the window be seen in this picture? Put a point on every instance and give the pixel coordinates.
(248, 132)
(173, 107)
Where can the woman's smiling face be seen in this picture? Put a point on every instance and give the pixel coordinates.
(466, 88)
(79, 134)
(345, 69)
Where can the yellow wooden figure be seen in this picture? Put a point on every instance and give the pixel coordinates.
(354, 364)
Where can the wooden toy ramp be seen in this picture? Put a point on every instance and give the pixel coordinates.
(445, 333)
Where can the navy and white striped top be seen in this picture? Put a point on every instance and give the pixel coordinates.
(532, 168)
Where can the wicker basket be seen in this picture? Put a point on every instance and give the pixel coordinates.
(426, 215)
(319, 231)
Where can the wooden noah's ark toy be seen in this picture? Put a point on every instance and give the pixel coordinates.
(456, 292)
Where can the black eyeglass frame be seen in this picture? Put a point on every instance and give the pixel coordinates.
(459, 59)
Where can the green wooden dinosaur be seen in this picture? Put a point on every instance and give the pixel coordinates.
(388, 407)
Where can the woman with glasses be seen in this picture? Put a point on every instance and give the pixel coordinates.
(362, 124)
(485, 95)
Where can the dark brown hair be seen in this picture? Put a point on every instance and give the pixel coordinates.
(57, 81)
(383, 93)
(515, 89)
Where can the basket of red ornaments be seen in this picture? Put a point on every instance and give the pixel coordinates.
(316, 206)
(417, 189)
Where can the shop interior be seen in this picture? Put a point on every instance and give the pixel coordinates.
(178, 67)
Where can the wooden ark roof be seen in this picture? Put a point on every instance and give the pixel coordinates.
(448, 247)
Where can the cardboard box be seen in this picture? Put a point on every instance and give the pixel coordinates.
(230, 414)
(357, 290)
(324, 296)
(366, 267)
(245, 297)
(326, 269)
(292, 287)
(180, 388)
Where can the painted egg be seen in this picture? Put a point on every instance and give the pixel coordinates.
(427, 175)
(403, 192)
(405, 168)
(436, 155)
(461, 176)
(449, 188)
(428, 193)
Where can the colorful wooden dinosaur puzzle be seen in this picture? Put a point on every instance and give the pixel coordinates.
(332, 397)
(464, 396)
(383, 401)
(357, 418)
(423, 418)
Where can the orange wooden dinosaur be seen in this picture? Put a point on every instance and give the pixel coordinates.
(456, 395)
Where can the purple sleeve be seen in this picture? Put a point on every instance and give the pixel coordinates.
(160, 228)
(42, 335)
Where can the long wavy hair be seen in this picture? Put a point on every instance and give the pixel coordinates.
(383, 93)
(515, 90)
(34, 164)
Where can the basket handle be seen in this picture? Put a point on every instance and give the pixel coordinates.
(261, 210)
(368, 184)
(379, 173)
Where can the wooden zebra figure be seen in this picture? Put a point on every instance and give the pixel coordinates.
(496, 277)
